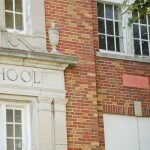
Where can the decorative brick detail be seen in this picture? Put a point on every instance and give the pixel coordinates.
(135, 81)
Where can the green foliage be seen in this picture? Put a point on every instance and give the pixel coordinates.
(141, 6)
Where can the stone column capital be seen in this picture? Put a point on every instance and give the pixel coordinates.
(44, 103)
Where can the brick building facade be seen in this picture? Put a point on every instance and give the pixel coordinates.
(95, 85)
(77, 97)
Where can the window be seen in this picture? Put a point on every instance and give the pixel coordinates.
(141, 36)
(14, 15)
(110, 27)
(14, 121)
(15, 127)
(115, 36)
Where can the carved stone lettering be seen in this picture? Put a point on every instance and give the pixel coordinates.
(25, 76)
(17, 75)
(12, 75)
(35, 79)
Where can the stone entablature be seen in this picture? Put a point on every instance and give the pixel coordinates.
(38, 79)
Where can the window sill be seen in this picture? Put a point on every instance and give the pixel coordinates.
(121, 56)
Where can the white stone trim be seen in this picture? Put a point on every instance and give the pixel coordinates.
(139, 59)
(60, 127)
(35, 36)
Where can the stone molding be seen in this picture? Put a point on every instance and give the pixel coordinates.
(24, 57)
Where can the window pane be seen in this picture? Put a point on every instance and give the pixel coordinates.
(137, 47)
(100, 10)
(19, 22)
(109, 12)
(9, 130)
(149, 20)
(116, 9)
(9, 115)
(18, 5)
(144, 32)
(118, 28)
(135, 15)
(10, 144)
(9, 20)
(110, 43)
(143, 20)
(119, 44)
(102, 42)
(145, 48)
(110, 27)
(9, 5)
(136, 31)
(18, 144)
(18, 131)
(101, 26)
(17, 115)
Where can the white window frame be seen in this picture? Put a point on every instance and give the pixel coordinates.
(24, 14)
(128, 42)
(26, 129)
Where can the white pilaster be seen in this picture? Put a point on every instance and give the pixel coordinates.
(42, 124)
(60, 128)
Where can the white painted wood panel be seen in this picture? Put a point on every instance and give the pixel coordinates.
(144, 133)
(120, 132)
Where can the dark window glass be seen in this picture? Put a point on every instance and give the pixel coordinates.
(9, 20)
(18, 144)
(116, 12)
(149, 20)
(136, 31)
(110, 42)
(9, 115)
(18, 116)
(19, 22)
(18, 5)
(135, 15)
(110, 28)
(100, 10)
(116, 28)
(102, 42)
(101, 26)
(118, 44)
(143, 20)
(145, 49)
(9, 130)
(18, 132)
(9, 5)
(109, 12)
(10, 144)
(137, 47)
(144, 32)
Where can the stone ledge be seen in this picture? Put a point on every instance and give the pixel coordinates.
(142, 59)
(39, 56)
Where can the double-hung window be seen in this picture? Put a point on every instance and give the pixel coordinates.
(110, 27)
(115, 36)
(14, 127)
(141, 36)
(14, 15)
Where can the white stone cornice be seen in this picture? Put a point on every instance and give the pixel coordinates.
(37, 59)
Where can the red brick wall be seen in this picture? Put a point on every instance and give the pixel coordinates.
(113, 97)
(95, 83)
(75, 20)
